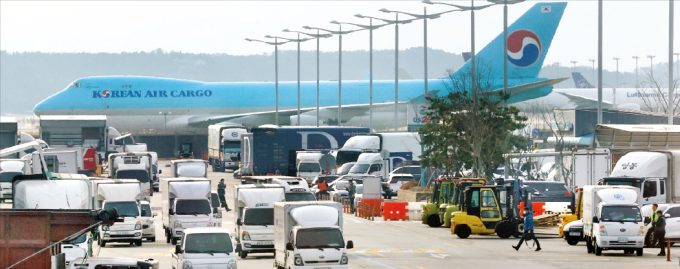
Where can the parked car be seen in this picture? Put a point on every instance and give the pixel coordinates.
(413, 170)
(397, 180)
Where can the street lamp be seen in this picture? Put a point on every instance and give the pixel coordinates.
(423, 17)
(636, 69)
(574, 64)
(317, 36)
(298, 41)
(651, 64)
(370, 29)
(617, 77)
(472, 9)
(396, 23)
(339, 33)
(593, 62)
(505, 37)
(165, 121)
(671, 82)
(276, 44)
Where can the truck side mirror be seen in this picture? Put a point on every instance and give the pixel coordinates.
(350, 244)
(155, 214)
(238, 222)
(595, 220)
(289, 246)
(178, 249)
(667, 215)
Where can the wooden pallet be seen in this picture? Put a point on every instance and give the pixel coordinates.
(547, 219)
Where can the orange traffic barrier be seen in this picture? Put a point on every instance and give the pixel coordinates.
(394, 210)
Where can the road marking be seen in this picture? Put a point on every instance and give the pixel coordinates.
(450, 245)
(440, 256)
(420, 267)
(395, 250)
(370, 260)
(464, 245)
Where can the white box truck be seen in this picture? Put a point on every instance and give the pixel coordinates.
(255, 217)
(309, 235)
(185, 204)
(224, 146)
(307, 165)
(188, 168)
(612, 219)
(125, 196)
(68, 159)
(205, 248)
(133, 165)
(401, 146)
(653, 172)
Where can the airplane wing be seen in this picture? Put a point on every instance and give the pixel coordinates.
(584, 102)
(348, 112)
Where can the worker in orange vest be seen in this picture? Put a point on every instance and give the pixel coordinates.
(323, 189)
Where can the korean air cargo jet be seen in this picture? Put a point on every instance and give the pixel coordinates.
(192, 105)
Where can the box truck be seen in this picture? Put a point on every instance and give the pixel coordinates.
(133, 165)
(254, 217)
(612, 219)
(307, 164)
(224, 146)
(309, 235)
(185, 204)
(125, 196)
(189, 168)
(272, 150)
(401, 147)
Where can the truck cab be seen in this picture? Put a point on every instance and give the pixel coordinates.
(255, 217)
(647, 171)
(224, 146)
(307, 164)
(133, 165)
(296, 188)
(128, 231)
(205, 248)
(188, 213)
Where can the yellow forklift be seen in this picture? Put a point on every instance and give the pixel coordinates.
(488, 210)
(447, 195)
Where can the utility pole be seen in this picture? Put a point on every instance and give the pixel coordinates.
(599, 63)
(671, 82)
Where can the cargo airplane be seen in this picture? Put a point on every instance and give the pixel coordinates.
(140, 104)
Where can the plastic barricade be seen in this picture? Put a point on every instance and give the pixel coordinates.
(394, 210)
(415, 210)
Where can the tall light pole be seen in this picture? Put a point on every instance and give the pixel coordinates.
(671, 82)
(599, 62)
(677, 62)
(396, 23)
(339, 33)
(370, 29)
(276, 44)
(593, 71)
(472, 10)
(316, 36)
(651, 64)
(573, 63)
(298, 41)
(636, 69)
(617, 79)
(505, 37)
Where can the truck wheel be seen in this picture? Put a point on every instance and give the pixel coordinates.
(174, 241)
(639, 251)
(650, 240)
(572, 242)
(504, 230)
(152, 239)
(433, 221)
(463, 231)
(598, 249)
(138, 242)
(243, 254)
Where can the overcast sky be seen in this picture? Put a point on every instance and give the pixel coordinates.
(631, 27)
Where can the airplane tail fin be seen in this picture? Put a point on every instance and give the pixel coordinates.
(529, 39)
(467, 56)
(580, 81)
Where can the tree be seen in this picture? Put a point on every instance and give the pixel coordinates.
(470, 128)
(653, 91)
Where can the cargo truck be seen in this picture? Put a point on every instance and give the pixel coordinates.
(185, 204)
(307, 164)
(612, 219)
(254, 217)
(271, 150)
(133, 165)
(125, 196)
(205, 248)
(189, 168)
(401, 147)
(309, 235)
(224, 146)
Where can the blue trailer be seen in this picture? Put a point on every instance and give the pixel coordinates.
(271, 150)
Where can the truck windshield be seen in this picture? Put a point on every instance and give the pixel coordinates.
(208, 243)
(299, 196)
(319, 238)
(232, 145)
(346, 156)
(8, 176)
(125, 209)
(344, 169)
(309, 167)
(621, 213)
(634, 182)
(192, 207)
(259, 216)
(359, 168)
(140, 175)
(78, 240)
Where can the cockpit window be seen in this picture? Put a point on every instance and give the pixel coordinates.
(75, 85)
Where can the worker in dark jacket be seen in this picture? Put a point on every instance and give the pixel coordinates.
(528, 230)
(351, 191)
(221, 187)
(660, 232)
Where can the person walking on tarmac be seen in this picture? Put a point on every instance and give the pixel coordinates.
(528, 230)
(351, 191)
(221, 187)
(660, 231)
